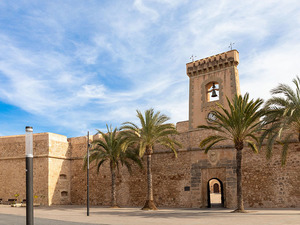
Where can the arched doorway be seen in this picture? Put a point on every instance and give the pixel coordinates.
(216, 188)
(215, 196)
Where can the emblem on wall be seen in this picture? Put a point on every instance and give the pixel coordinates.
(213, 157)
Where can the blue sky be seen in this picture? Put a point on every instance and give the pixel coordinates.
(71, 66)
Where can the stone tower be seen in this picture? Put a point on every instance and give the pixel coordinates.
(211, 80)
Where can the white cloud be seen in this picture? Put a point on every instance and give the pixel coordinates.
(87, 64)
(92, 91)
(269, 68)
(141, 7)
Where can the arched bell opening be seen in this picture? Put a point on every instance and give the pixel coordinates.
(212, 91)
(215, 193)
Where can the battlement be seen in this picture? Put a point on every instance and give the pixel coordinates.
(213, 63)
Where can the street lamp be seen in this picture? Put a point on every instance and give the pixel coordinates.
(29, 175)
(87, 176)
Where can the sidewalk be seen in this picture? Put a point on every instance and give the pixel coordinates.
(134, 216)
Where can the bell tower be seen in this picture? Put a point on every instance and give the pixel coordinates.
(211, 80)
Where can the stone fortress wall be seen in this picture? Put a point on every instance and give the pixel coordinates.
(59, 177)
(51, 168)
(182, 181)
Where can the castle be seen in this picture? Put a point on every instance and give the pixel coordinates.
(187, 181)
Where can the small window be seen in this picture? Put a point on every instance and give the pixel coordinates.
(64, 194)
(187, 188)
(212, 91)
(63, 176)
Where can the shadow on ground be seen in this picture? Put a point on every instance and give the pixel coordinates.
(20, 220)
(188, 213)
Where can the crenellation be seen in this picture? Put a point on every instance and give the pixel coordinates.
(212, 63)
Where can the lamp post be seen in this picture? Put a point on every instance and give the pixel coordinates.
(87, 176)
(29, 175)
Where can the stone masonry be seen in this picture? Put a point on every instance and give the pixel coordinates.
(59, 177)
(178, 182)
(50, 164)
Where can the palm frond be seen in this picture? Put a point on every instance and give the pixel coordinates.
(270, 142)
(129, 126)
(212, 143)
(283, 114)
(153, 129)
(252, 145)
(238, 122)
(215, 128)
(100, 164)
(111, 147)
(208, 142)
(254, 137)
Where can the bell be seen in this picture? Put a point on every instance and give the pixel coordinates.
(214, 93)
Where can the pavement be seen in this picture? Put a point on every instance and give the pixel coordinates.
(76, 215)
(215, 198)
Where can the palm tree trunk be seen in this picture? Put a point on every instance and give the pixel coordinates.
(149, 205)
(240, 202)
(113, 188)
(149, 179)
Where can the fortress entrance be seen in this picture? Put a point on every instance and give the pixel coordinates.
(215, 197)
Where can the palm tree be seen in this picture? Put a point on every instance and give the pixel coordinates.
(111, 148)
(153, 131)
(283, 118)
(239, 124)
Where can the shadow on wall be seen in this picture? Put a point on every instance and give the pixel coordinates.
(59, 182)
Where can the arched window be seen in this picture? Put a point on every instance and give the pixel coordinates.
(212, 91)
